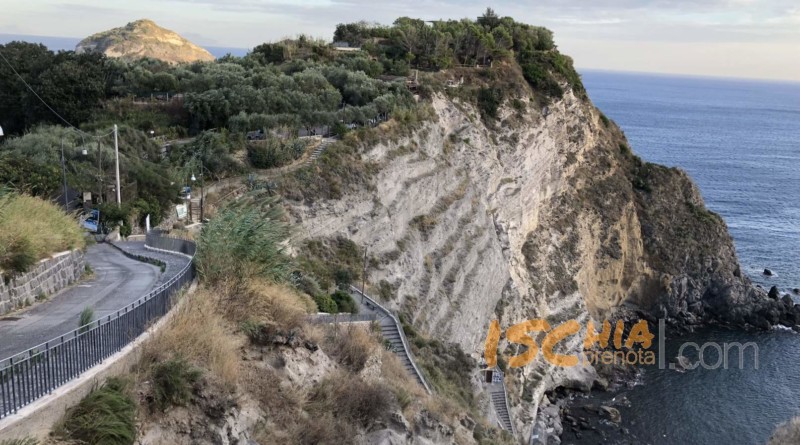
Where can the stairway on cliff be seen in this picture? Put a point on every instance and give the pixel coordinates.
(497, 392)
(390, 333)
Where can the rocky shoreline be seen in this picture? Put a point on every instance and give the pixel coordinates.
(570, 416)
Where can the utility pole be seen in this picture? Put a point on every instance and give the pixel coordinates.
(64, 172)
(99, 174)
(116, 151)
(202, 190)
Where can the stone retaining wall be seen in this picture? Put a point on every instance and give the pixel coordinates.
(46, 278)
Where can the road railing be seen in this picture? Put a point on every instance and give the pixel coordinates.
(32, 374)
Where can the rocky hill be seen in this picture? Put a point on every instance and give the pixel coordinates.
(144, 38)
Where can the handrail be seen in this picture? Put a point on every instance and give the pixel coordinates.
(36, 372)
(406, 347)
(508, 407)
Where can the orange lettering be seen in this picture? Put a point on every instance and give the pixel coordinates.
(640, 333)
(593, 337)
(519, 334)
(561, 332)
(490, 348)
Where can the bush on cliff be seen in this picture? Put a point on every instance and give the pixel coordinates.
(244, 241)
(106, 416)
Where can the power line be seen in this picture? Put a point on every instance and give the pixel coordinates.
(45, 103)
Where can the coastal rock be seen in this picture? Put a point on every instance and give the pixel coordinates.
(537, 217)
(682, 363)
(767, 272)
(788, 301)
(612, 413)
(774, 293)
(144, 39)
(796, 291)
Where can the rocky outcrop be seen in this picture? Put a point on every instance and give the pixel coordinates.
(144, 39)
(544, 214)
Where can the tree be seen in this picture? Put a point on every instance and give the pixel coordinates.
(29, 60)
(489, 19)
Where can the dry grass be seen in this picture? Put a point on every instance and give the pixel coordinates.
(281, 402)
(406, 390)
(351, 400)
(32, 229)
(274, 305)
(351, 345)
(198, 333)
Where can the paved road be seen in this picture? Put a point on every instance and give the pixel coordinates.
(118, 281)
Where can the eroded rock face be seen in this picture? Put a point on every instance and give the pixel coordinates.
(143, 38)
(543, 216)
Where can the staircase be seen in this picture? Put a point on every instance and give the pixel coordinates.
(390, 333)
(498, 395)
(393, 333)
(319, 150)
(499, 398)
(194, 209)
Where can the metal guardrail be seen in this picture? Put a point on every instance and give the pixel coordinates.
(157, 240)
(406, 347)
(342, 318)
(29, 375)
(508, 406)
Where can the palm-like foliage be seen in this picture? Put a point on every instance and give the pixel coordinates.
(245, 239)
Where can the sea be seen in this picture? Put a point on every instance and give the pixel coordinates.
(740, 142)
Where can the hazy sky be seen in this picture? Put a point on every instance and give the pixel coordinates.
(735, 38)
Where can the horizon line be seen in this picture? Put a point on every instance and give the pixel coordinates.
(577, 66)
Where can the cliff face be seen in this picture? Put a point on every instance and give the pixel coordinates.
(143, 38)
(545, 215)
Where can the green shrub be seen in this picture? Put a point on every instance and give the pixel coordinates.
(86, 318)
(344, 302)
(106, 416)
(489, 100)
(172, 382)
(244, 240)
(307, 284)
(325, 303)
(386, 290)
(25, 441)
(332, 261)
(125, 230)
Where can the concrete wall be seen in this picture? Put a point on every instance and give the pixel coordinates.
(46, 278)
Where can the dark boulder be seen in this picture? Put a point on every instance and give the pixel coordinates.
(774, 293)
(796, 291)
(767, 272)
(787, 301)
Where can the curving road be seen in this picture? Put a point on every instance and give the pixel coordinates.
(117, 282)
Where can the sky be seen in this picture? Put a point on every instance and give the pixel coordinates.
(728, 38)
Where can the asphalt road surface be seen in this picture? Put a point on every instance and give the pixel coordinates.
(117, 282)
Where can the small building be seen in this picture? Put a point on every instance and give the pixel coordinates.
(345, 46)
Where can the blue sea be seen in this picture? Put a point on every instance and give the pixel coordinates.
(740, 142)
